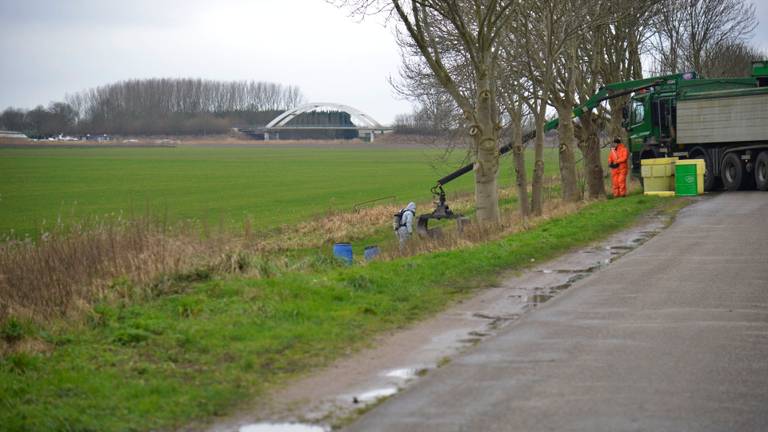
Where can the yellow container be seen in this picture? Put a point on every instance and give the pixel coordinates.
(701, 168)
(658, 174)
(661, 193)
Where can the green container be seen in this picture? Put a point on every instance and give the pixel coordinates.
(686, 180)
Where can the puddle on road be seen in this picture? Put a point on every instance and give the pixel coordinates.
(281, 427)
(538, 299)
(536, 296)
(373, 395)
(573, 271)
(402, 374)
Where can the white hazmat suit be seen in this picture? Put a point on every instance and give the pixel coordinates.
(405, 230)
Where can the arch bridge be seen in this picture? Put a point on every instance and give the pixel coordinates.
(366, 126)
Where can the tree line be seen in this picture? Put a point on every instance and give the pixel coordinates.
(494, 66)
(157, 106)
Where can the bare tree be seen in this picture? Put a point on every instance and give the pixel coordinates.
(512, 94)
(457, 40)
(515, 109)
(619, 49)
(537, 28)
(437, 113)
(686, 30)
(183, 105)
(563, 96)
(569, 20)
(730, 59)
(587, 81)
(608, 52)
(14, 119)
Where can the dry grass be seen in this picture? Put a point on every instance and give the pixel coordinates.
(331, 228)
(511, 223)
(63, 273)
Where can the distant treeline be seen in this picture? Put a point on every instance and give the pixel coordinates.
(157, 106)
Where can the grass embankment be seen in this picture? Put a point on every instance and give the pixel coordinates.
(206, 346)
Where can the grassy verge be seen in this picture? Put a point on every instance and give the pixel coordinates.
(204, 347)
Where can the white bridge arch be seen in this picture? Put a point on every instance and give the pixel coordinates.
(364, 121)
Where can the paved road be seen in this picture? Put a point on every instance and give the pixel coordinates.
(672, 337)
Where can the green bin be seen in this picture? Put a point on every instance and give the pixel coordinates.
(686, 179)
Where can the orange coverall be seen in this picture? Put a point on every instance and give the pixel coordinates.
(619, 156)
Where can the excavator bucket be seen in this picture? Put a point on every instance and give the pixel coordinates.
(441, 211)
(422, 227)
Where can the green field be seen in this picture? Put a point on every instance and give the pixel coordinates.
(269, 185)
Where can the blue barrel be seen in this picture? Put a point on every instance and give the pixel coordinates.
(371, 252)
(343, 251)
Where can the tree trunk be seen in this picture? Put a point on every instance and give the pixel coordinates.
(567, 157)
(590, 149)
(617, 107)
(486, 191)
(518, 154)
(486, 141)
(537, 184)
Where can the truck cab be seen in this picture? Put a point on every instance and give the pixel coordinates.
(650, 120)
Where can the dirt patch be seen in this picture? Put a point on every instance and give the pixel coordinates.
(25, 346)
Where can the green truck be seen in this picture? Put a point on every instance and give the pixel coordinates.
(723, 121)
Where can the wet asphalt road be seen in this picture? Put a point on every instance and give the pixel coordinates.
(672, 337)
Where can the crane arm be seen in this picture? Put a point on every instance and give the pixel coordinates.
(609, 91)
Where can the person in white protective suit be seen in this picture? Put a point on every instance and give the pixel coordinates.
(404, 229)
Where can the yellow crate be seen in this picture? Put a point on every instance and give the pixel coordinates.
(660, 193)
(658, 174)
(658, 161)
(657, 170)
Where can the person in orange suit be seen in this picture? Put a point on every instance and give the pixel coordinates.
(617, 160)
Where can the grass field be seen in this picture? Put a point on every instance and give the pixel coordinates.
(207, 346)
(268, 185)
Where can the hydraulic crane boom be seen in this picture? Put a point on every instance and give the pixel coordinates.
(609, 91)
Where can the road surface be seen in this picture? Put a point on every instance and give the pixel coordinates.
(672, 337)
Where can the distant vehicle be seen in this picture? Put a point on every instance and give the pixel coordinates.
(103, 137)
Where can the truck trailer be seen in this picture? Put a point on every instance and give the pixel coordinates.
(723, 121)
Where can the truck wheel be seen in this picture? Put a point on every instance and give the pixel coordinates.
(732, 172)
(761, 171)
(710, 181)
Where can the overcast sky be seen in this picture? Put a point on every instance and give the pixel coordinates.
(52, 47)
